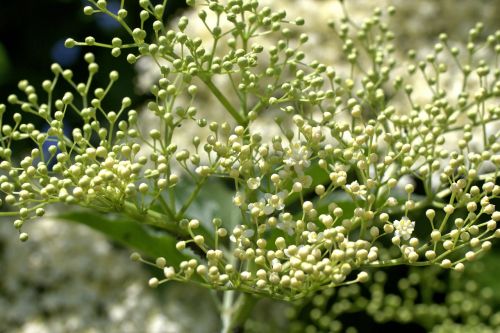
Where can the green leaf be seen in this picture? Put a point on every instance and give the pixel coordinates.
(319, 176)
(130, 234)
(214, 200)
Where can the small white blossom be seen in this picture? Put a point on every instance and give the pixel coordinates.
(286, 224)
(404, 227)
(297, 157)
(355, 189)
(238, 199)
(304, 180)
(258, 208)
(253, 183)
(274, 202)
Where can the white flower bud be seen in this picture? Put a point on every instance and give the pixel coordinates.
(446, 263)
(363, 277)
(384, 217)
(327, 220)
(319, 189)
(297, 187)
(201, 269)
(307, 206)
(194, 224)
(436, 235)
(471, 206)
(430, 213)
(488, 187)
(449, 209)
(486, 245)
(153, 282)
(23, 237)
(160, 262)
(430, 255)
(495, 216)
(409, 188)
(181, 245)
(169, 272)
(135, 256)
(448, 245)
(413, 257)
(470, 255)
(489, 209)
(199, 240)
(388, 228)
(374, 232)
(491, 225)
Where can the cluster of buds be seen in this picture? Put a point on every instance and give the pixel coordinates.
(412, 298)
(334, 195)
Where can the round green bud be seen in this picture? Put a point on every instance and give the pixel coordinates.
(56, 68)
(88, 10)
(116, 51)
(135, 256)
(101, 4)
(69, 43)
(89, 40)
(93, 68)
(161, 262)
(131, 58)
(18, 224)
(122, 13)
(299, 21)
(12, 99)
(113, 75)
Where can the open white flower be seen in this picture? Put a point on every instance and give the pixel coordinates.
(297, 157)
(253, 183)
(274, 202)
(404, 227)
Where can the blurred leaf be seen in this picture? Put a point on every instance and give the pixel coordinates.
(318, 175)
(130, 234)
(214, 200)
(4, 64)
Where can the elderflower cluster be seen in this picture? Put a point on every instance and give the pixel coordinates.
(319, 203)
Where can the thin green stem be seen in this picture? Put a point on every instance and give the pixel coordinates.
(151, 217)
(223, 100)
(190, 200)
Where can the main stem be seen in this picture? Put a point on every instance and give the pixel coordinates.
(235, 313)
(227, 311)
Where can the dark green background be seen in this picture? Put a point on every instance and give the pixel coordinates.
(31, 29)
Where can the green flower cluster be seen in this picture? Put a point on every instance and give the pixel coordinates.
(362, 174)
